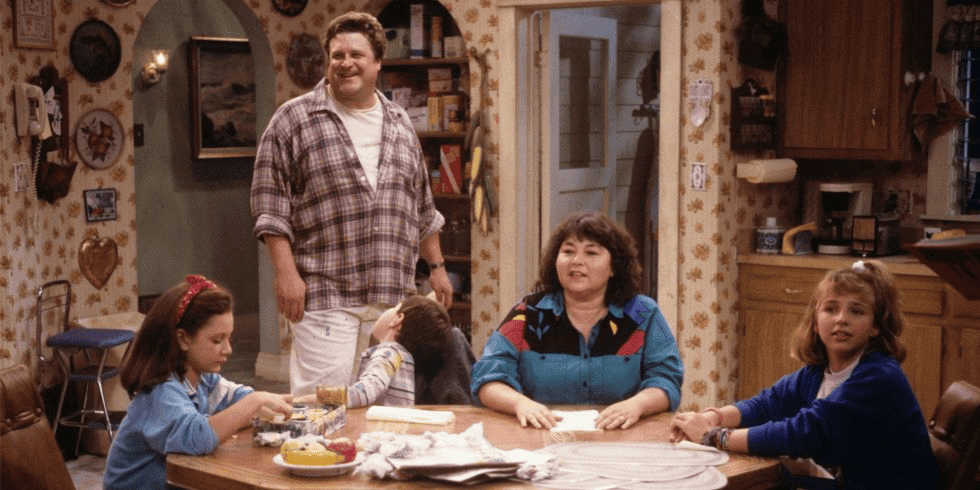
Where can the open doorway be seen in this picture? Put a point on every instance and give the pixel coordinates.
(596, 118)
(520, 208)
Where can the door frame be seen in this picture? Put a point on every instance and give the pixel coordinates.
(519, 213)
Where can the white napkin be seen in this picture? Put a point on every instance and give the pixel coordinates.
(579, 420)
(685, 444)
(411, 415)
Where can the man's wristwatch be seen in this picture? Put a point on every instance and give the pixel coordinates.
(436, 265)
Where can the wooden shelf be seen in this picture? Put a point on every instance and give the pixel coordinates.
(425, 61)
(462, 196)
(441, 134)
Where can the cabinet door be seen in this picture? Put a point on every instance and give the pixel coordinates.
(922, 366)
(962, 350)
(767, 331)
(839, 79)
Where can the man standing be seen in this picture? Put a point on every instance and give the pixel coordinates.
(341, 197)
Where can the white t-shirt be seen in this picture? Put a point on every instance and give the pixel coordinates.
(832, 380)
(364, 127)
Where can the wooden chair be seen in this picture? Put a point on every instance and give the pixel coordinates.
(29, 454)
(954, 432)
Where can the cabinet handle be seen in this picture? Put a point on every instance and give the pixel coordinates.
(792, 291)
(874, 117)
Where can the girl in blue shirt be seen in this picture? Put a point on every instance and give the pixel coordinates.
(851, 408)
(180, 404)
(584, 337)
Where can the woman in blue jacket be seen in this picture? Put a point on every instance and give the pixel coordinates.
(584, 337)
(851, 408)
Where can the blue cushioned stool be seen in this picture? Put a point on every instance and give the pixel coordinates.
(53, 305)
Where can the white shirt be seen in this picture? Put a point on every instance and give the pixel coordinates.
(364, 128)
(832, 380)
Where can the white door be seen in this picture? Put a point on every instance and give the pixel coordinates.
(578, 80)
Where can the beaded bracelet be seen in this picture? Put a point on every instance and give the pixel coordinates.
(723, 436)
(710, 438)
(717, 437)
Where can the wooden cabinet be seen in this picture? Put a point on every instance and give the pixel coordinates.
(773, 300)
(961, 355)
(842, 91)
(440, 86)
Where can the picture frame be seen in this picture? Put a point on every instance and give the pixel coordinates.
(223, 101)
(34, 24)
(100, 204)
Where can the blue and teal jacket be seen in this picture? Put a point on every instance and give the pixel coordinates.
(538, 352)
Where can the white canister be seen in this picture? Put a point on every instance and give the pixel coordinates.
(768, 239)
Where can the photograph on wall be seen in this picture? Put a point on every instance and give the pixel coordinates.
(100, 204)
(223, 115)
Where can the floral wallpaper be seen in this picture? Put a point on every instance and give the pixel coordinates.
(40, 241)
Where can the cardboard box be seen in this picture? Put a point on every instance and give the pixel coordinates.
(435, 114)
(450, 168)
(419, 117)
(435, 38)
(402, 96)
(452, 47)
(440, 86)
(450, 110)
(417, 28)
(440, 74)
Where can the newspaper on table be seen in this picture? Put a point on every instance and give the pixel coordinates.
(463, 458)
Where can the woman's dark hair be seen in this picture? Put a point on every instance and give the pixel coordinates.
(155, 353)
(360, 22)
(425, 328)
(868, 279)
(627, 274)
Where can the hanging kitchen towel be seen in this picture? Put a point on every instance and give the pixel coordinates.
(935, 110)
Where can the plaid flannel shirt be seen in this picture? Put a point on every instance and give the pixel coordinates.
(352, 245)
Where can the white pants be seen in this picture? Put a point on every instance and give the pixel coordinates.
(325, 346)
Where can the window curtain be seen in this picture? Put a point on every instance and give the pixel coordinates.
(961, 31)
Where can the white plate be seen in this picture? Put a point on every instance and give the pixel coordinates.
(314, 470)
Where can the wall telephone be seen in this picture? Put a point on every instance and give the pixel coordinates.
(41, 114)
(32, 118)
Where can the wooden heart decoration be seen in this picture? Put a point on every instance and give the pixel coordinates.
(97, 258)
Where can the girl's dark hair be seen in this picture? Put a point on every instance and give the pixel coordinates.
(360, 22)
(155, 353)
(425, 328)
(627, 272)
(870, 280)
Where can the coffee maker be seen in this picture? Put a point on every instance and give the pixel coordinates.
(832, 206)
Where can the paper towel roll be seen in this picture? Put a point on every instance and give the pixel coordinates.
(767, 171)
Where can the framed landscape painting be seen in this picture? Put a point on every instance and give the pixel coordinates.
(222, 89)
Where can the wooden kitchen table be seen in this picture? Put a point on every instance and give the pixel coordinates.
(239, 465)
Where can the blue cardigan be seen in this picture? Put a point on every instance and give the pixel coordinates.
(871, 425)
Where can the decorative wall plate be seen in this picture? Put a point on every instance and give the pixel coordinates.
(290, 8)
(95, 50)
(99, 139)
(305, 60)
(97, 259)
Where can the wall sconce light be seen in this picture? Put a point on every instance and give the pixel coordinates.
(153, 71)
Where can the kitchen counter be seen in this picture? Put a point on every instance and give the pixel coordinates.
(904, 264)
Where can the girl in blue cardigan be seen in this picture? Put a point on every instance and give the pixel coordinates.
(851, 408)
(180, 404)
